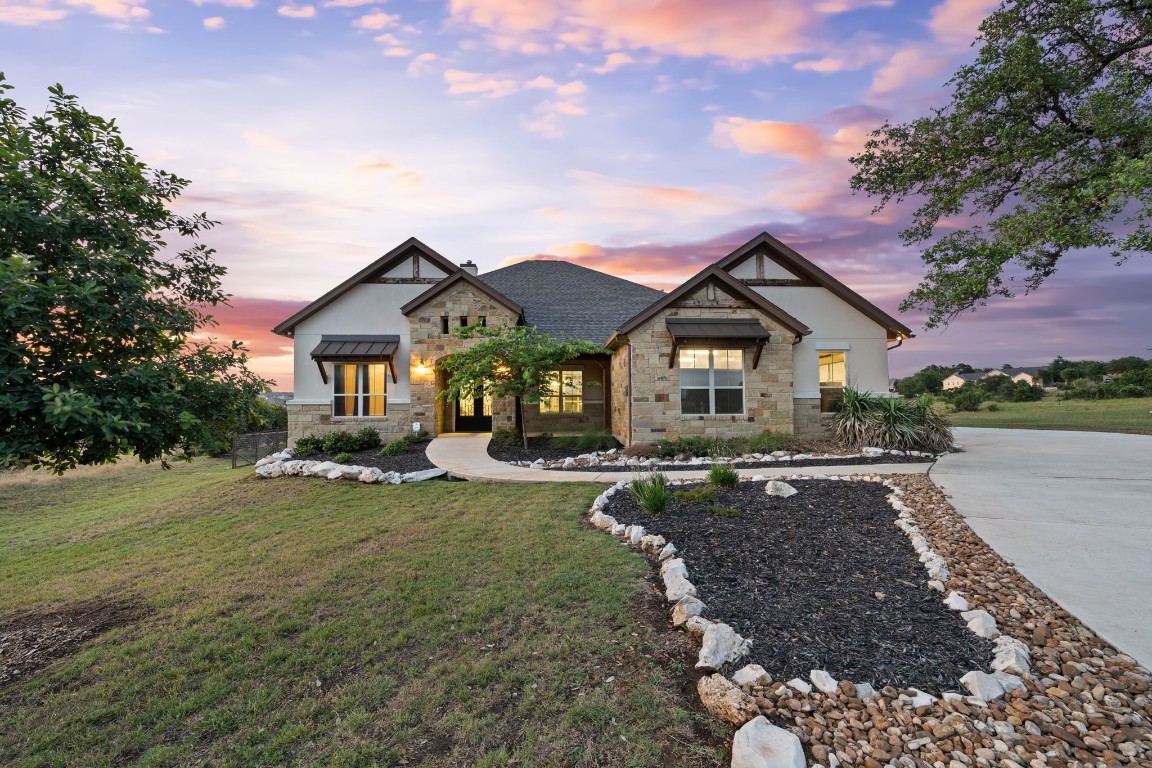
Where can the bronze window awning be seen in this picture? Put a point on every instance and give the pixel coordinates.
(710, 332)
(356, 349)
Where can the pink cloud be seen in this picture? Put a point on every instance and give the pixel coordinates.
(916, 62)
(29, 15)
(957, 22)
(213, 23)
(613, 62)
(297, 11)
(377, 20)
(477, 83)
(250, 320)
(737, 30)
(769, 137)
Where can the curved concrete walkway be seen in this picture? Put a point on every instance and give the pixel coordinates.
(465, 456)
(1073, 511)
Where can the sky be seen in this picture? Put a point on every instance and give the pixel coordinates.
(644, 138)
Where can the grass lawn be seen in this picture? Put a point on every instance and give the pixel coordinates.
(1132, 415)
(301, 622)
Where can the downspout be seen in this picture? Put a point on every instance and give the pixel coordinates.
(897, 344)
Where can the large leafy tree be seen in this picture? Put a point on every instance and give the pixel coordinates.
(510, 361)
(102, 350)
(1046, 146)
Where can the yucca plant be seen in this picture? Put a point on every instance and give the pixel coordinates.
(894, 424)
(723, 475)
(935, 428)
(651, 492)
(853, 423)
(886, 422)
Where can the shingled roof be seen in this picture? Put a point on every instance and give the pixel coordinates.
(561, 298)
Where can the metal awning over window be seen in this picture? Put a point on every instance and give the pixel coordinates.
(356, 349)
(709, 332)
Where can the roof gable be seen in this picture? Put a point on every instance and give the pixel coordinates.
(810, 274)
(407, 249)
(462, 277)
(727, 283)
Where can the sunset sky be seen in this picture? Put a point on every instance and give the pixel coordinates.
(645, 138)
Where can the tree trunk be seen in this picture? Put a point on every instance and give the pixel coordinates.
(520, 418)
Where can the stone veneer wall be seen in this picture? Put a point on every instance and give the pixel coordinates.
(655, 397)
(318, 419)
(431, 345)
(621, 410)
(807, 418)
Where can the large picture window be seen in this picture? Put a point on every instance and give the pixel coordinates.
(360, 389)
(565, 393)
(712, 381)
(833, 379)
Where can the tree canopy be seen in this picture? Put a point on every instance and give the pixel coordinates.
(102, 346)
(1045, 147)
(510, 361)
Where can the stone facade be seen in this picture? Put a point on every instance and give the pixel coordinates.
(430, 345)
(597, 401)
(318, 419)
(654, 400)
(621, 406)
(808, 422)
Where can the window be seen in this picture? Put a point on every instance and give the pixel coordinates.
(444, 324)
(712, 381)
(833, 378)
(463, 321)
(482, 321)
(360, 389)
(565, 393)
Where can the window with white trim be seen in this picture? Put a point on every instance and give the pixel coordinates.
(360, 389)
(564, 393)
(712, 381)
(833, 379)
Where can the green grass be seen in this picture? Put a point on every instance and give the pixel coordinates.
(300, 622)
(1131, 415)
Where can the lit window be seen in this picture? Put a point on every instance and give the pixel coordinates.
(712, 381)
(833, 378)
(360, 389)
(564, 393)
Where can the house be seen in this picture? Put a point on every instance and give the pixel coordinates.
(957, 380)
(1029, 375)
(761, 340)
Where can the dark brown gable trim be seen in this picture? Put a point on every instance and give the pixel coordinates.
(730, 285)
(794, 262)
(388, 260)
(474, 282)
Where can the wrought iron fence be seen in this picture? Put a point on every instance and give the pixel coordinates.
(250, 447)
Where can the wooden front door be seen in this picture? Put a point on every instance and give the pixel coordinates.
(474, 415)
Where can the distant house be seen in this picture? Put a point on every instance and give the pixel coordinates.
(762, 339)
(957, 380)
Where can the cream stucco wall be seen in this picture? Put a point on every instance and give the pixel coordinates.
(370, 308)
(835, 325)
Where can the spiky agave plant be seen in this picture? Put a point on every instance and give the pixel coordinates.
(894, 424)
(852, 425)
(935, 429)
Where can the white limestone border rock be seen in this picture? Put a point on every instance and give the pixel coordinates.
(613, 459)
(720, 645)
(284, 464)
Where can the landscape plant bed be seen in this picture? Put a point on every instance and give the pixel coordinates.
(820, 580)
(540, 448)
(414, 459)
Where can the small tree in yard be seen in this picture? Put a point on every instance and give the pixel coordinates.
(101, 352)
(510, 361)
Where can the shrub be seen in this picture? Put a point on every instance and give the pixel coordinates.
(590, 440)
(412, 438)
(719, 510)
(309, 445)
(701, 494)
(968, 400)
(993, 407)
(893, 423)
(651, 492)
(340, 442)
(507, 438)
(723, 475)
(367, 439)
(342, 458)
(395, 447)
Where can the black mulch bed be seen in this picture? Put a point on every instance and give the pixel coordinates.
(799, 577)
(412, 460)
(540, 449)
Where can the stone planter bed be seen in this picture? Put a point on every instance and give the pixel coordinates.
(365, 466)
(1062, 697)
(414, 459)
(541, 456)
(820, 580)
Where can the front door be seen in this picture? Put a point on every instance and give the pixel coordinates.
(474, 415)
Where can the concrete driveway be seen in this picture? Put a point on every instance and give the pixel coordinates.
(1073, 511)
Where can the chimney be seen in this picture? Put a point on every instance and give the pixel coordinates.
(470, 268)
